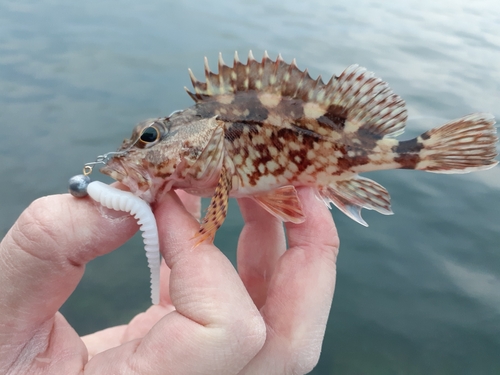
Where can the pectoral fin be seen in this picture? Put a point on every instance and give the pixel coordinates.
(282, 203)
(217, 210)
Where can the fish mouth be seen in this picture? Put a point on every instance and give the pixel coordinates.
(135, 177)
(114, 169)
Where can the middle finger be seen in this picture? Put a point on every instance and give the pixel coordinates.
(261, 243)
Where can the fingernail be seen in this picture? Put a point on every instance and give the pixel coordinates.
(109, 213)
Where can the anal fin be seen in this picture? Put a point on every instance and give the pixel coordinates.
(283, 203)
(351, 195)
(217, 209)
(351, 210)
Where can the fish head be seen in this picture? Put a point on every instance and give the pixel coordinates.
(161, 153)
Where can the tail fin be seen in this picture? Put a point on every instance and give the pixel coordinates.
(464, 145)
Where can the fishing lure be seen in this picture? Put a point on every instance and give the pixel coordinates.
(80, 186)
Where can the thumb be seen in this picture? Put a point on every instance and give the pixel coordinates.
(43, 257)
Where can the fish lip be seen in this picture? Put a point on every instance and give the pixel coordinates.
(115, 169)
(136, 178)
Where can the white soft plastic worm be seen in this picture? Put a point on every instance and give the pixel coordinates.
(120, 200)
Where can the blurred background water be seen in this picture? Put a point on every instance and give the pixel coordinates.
(417, 292)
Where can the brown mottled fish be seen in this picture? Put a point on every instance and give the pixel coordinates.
(261, 128)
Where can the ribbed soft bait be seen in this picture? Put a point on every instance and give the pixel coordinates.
(119, 200)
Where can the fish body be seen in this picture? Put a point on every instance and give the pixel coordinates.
(262, 128)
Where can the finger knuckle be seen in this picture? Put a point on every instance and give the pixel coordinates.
(252, 334)
(304, 357)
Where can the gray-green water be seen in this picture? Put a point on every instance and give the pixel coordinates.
(417, 292)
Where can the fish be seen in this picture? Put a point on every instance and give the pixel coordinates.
(261, 129)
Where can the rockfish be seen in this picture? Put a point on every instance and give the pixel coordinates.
(261, 128)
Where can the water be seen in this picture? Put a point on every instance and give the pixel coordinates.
(417, 292)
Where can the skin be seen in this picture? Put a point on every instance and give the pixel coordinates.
(268, 318)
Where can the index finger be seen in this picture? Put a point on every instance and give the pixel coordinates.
(215, 326)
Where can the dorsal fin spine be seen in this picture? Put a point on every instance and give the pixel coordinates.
(192, 78)
(209, 77)
(250, 56)
(206, 66)
(221, 62)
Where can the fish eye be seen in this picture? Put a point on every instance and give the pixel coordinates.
(149, 135)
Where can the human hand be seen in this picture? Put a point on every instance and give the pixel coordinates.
(269, 319)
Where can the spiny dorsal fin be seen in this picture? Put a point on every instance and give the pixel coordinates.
(364, 101)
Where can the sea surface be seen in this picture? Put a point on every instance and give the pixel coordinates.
(417, 292)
